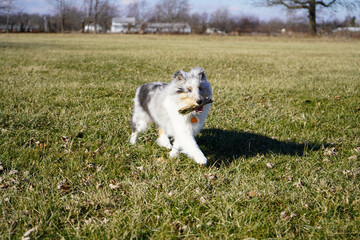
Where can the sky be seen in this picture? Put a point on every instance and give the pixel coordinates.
(236, 7)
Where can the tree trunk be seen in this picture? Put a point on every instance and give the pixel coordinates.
(90, 16)
(62, 9)
(62, 23)
(96, 15)
(7, 21)
(312, 17)
(46, 24)
(8, 16)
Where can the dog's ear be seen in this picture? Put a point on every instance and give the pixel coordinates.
(199, 72)
(179, 76)
(202, 75)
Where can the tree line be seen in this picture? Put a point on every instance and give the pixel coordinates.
(70, 16)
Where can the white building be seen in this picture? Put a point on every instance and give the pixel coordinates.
(129, 25)
(214, 31)
(124, 25)
(167, 28)
(347, 29)
(91, 28)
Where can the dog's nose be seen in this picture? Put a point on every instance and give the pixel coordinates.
(199, 102)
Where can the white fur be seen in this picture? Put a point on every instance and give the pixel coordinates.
(163, 102)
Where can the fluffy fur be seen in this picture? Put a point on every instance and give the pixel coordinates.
(159, 102)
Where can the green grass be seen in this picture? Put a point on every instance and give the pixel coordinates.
(282, 137)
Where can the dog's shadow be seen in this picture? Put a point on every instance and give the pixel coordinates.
(223, 147)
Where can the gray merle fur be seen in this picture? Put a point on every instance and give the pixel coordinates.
(145, 96)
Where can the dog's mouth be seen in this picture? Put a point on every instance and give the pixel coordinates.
(199, 110)
(192, 107)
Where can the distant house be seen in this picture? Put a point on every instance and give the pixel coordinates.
(91, 28)
(124, 25)
(20, 28)
(3, 28)
(214, 31)
(129, 25)
(347, 29)
(183, 28)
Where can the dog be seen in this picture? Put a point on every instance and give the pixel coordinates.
(160, 103)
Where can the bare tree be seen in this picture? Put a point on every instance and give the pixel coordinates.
(137, 9)
(74, 18)
(3, 4)
(108, 12)
(171, 11)
(61, 8)
(7, 6)
(199, 22)
(95, 9)
(311, 7)
(222, 20)
(88, 5)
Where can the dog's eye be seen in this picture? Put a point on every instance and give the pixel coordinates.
(190, 89)
(180, 90)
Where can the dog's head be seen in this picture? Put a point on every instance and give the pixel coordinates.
(193, 88)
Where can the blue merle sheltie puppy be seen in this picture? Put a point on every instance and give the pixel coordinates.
(160, 102)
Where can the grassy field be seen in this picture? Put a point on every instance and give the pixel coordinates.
(282, 138)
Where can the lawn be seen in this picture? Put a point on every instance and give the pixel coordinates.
(282, 139)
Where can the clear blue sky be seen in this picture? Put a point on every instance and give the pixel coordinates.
(236, 7)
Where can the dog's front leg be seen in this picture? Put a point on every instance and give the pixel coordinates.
(174, 151)
(188, 145)
(163, 140)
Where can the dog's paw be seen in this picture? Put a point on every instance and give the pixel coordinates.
(164, 142)
(133, 138)
(201, 160)
(173, 153)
